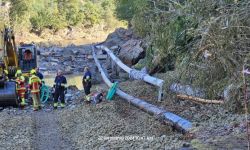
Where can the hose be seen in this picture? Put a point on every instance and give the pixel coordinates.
(43, 87)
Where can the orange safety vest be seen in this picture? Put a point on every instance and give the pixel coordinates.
(34, 84)
(20, 83)
(25, 55)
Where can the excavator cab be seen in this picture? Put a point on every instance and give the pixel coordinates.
(27, 57)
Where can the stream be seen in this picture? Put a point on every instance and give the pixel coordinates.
(74, 79)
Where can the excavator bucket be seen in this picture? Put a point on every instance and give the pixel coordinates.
(8, 94)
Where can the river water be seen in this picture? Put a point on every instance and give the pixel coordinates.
(78, 42)
(71, 80)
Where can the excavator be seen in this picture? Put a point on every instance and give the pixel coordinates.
(11, 60)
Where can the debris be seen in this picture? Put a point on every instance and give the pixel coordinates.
(186, 97)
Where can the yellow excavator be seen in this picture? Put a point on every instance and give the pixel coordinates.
(11, 60)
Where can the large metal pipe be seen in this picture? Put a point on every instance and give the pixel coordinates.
(135, 73)
(163, 116)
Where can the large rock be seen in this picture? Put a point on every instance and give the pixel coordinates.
(48, 59)
(67, 63)
(54, 60)
(131, 52)
(119, 37)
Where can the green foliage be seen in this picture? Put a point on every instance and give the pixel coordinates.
(125, 9)
(92, 13)
(167, 31)
(56, 14)
(179, 33)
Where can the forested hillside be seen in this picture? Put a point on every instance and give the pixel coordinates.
(55, 14)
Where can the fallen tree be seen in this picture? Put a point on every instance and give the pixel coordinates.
(163, 116)
(187, 97)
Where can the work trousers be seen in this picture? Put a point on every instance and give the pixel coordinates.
(36, 100)
(87, 91)
(21, 93)
(59, 93)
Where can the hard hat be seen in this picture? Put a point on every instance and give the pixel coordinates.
(6, 71)
(32, 71)
(19, 72)
(21, 42)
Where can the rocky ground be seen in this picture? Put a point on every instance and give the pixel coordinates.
(80, 126)
(213, 126)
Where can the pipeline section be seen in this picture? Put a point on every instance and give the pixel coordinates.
(138, 75)
(163, 116)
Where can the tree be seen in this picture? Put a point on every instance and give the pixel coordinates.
(20, 12)
(125, 9)
(93, 14)
(70, 10)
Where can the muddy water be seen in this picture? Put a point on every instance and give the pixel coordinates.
(78, 42)
(71, 80)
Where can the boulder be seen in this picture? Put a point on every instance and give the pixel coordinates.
(48, 59)
(68, 70)
(77, 94)
(53, 64)
(80, 63)
(131, 52)
(54, 60)
(57, 54)
(72, 87)
(80, 69)
(67, 63)
(75, 52)
(119, 37)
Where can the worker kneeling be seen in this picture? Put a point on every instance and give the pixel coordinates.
(34, 87)
(20, 86)
(60, 86)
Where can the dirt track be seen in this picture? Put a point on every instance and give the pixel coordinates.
(84, 127)
(47, 135)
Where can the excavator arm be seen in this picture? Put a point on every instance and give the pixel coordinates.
(8, 61)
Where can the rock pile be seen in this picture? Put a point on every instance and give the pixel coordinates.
(71, 60)
(123, 43)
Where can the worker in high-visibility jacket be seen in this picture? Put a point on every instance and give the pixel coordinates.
(60, 86)
(20, 86)
(6, 75)
(86, 81)
(34, 88)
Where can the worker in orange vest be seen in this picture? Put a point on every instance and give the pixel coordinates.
(27, 52)
(34, 88)
(20, 86)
